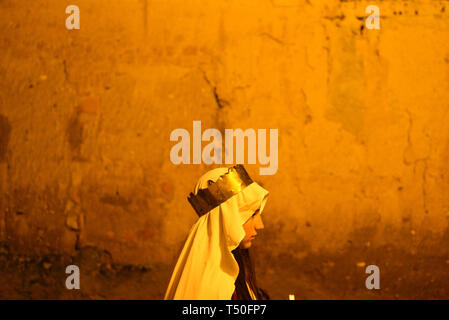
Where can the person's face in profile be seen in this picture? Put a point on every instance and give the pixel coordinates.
(251, 226)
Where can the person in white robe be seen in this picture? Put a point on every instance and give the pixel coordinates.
(229, 204)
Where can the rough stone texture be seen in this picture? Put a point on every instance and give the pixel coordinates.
(86, 115)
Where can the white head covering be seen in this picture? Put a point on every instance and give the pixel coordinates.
(206, 268)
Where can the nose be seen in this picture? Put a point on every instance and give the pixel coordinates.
(258, 223)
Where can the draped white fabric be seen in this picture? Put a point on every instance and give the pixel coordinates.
(206, 268)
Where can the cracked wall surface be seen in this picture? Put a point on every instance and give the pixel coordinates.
(86, 116)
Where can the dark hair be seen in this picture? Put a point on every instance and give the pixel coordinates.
(247, 273)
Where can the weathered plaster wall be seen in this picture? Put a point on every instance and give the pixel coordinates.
(86, 115)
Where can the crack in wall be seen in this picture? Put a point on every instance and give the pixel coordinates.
(220, 123)
(338, 17)
(269, 36)
(66, 73)
(409, 139)
(424, 181)
(327, 48)
(221, 103)
(306, 59)
(408, 162)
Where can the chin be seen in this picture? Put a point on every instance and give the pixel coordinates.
(247, 245)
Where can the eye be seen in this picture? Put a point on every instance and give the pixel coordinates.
(255, 212)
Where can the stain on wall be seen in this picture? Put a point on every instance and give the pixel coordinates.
(5, 133)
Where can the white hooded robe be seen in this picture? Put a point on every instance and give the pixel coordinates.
(206, 268)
